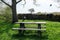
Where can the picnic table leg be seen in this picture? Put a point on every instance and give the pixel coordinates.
(22, 25)
(39, 32)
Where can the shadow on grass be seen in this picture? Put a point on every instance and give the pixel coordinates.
(29, 37)
(5, 27)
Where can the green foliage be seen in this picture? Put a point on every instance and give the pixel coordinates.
(6, 15)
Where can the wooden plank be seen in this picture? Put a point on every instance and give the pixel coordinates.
(43, 26)
(28, 29)
(31, 22)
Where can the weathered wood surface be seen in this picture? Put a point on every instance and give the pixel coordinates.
(31, 22)
(28, 29)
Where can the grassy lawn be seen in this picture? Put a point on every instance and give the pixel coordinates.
(52, 32)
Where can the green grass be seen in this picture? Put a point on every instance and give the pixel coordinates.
(52, 32)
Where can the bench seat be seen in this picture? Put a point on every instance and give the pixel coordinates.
(28, 29)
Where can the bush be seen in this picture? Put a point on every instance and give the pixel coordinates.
(6, 15)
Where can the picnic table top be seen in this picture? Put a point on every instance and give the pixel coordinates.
(32, 22)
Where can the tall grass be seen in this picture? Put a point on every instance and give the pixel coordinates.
(52, 32)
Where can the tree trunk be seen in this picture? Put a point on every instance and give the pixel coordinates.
(14, 13)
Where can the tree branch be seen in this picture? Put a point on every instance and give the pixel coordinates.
(6, 4)
(18, 1)
(35, 3)
(24, 3)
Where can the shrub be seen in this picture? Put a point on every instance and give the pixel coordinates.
(6, 15)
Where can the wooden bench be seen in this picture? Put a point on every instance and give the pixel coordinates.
(23, 28)
(28, 29)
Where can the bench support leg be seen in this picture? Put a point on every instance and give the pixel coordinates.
(22, 25)
(39, 32)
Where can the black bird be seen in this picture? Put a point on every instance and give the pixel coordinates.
(50, 4)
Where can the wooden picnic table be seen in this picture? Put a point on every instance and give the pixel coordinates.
(23, 28)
